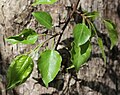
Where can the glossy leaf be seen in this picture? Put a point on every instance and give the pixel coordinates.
(27, 36)
(100, 43)
(44, 2)
(112, 32)
(19, 70)
(81, 34)
(79, 55)
(49, 64)
(43, 18)
(75, 55)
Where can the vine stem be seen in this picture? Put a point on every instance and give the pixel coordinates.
(67, 21)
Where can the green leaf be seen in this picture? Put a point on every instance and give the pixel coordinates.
(19, 70)
(14, 39)
(44, 2)
(79, 55)
(49, 64)
(75, 55)
(81, 34)
(100, 43)
(112, 32)
(43, 18)
(27, 36)
(93, 15)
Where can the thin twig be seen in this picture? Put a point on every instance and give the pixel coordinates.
(67, 21)
(40, 45)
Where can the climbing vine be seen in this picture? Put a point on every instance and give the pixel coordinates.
(49, 61)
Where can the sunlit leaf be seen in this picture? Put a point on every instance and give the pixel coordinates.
(43, 18)
(27, 36)
(79, 55)
(81, 34)
(44, 2)
(49, 64)
(100, 43)
(19, 70)
(112, 32)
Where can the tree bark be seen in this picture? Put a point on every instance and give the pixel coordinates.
(94, 78)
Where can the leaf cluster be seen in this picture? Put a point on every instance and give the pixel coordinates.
(49, 61)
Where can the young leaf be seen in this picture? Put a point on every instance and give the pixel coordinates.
(44, 2)
(79, 55)
(100, 43)
(81, 34)
(43, 18)
(112, 32)
(27, 36)
(19, 70)
(93, 15)
(49, 64)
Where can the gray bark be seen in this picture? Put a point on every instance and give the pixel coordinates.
(92, 79)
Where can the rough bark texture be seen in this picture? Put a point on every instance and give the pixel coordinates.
(92, 79)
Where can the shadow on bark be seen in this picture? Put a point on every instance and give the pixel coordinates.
(100, 87)
(111, 68)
